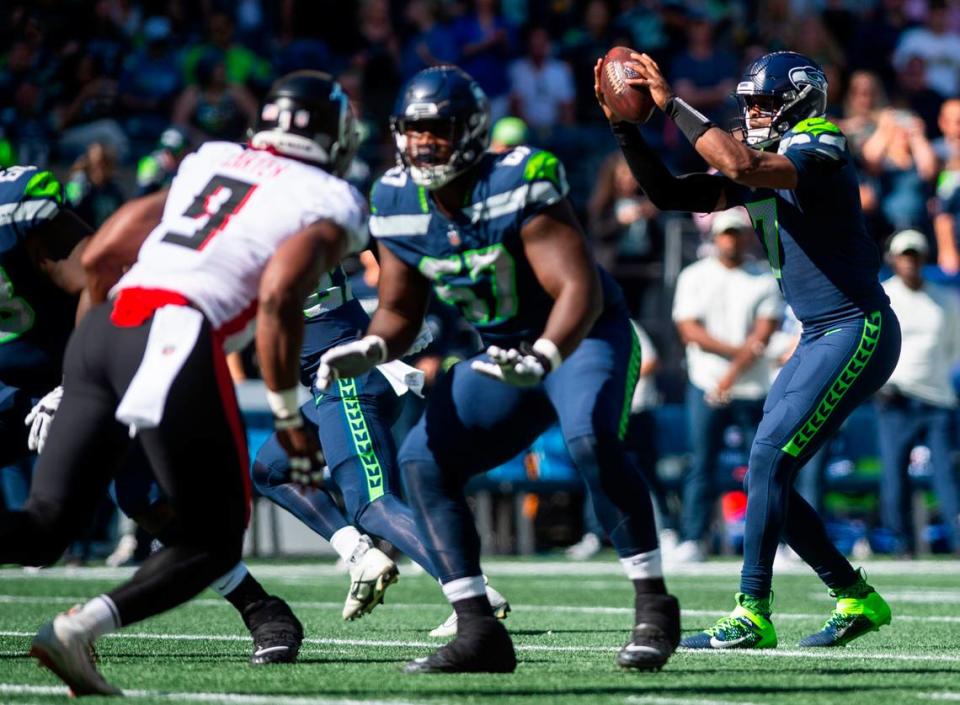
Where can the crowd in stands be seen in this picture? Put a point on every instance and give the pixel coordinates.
(113, 93)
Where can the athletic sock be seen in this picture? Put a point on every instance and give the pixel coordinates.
(246, 593)
(472, 608)
(97, 617)
(345, 542)
(229, 581)
(649, 586)
(857, 589)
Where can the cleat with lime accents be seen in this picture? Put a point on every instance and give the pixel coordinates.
(747, 627)
(860, 610)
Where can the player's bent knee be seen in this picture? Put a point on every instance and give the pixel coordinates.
(767, 462)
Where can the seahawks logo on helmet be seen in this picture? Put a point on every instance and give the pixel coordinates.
(776, 92)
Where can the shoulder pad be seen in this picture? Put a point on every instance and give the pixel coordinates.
(398, 207)
(816, 134)
(536, 167)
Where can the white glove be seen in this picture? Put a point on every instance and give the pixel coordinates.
(40, 418)
(520, 369)
(422, 341)
(350, 360)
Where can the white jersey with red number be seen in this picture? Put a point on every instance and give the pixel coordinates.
(228, 210)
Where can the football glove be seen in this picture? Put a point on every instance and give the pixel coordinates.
(350, 360)
(306, 458)
(40, 418)
(525, 366)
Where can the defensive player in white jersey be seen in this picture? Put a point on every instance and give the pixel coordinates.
(240, 229)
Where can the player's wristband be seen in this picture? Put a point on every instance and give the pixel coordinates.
(692, 123)
(375, 341)
(286, 410)
(547, 351)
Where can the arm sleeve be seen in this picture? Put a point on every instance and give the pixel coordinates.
(816, 156)
(697, 193)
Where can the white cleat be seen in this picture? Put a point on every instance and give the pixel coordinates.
(371, 573)
(497, 601)
(67, 650)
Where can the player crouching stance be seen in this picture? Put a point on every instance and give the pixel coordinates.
(151, 359)
(795, 176)
(495, 236)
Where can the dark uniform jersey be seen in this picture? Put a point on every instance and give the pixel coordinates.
(476, 259)
(826, 262)
(36, 317)
(331, 316)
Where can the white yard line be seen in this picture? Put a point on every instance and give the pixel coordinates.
(507, 568)
(239, 698)
(665, 700)
(575, 609)
(765, 653)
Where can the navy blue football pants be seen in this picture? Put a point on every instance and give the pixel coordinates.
(830, 374)
(473, 423)
(353, 422)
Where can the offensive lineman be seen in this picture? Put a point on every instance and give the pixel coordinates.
(796, 178)
(494, 235)
(151, 360)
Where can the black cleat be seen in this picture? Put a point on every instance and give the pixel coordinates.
(482, 645)
(276, 631)
(655, 636)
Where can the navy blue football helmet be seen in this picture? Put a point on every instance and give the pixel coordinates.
(446, 101)
(787, 88)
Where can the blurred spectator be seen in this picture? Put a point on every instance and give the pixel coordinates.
(507, 133)
(484, 40)
(864, 100)
(87, 111)
(214, 109)
(431, 44)
(378, 57)
(581, 49)
(945, 221)
(938, 46)
(903, 165)
(947, 146)
(541, 87)
(875, 38)
(91, 188)
(726, 309)
(150, 82)
(156, 170)
(243, 67)
(704, 75)
(621, 220)
(103, 36)
(913, 93)
(918, 402)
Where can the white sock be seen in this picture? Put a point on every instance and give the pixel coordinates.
(643, 565)
(229, 581)
(463, 588)
(345, 542)
(98, 617)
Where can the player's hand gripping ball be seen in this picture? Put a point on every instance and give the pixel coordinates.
(630, 103)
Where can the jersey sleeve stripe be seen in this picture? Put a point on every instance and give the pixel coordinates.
(28, 211)
(399, 225)
(543, 193)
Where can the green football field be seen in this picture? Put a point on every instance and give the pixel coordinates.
(567, 622)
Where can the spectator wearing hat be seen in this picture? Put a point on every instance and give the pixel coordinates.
(918, 402)
(726, 308)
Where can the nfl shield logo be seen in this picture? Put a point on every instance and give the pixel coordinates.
(453, 237)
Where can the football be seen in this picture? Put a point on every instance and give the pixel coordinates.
(633, 104)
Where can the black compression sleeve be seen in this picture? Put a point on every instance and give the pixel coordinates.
(698, 193)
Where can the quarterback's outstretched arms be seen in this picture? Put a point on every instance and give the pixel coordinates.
(290, 276)
(732, 158)
(557, 251)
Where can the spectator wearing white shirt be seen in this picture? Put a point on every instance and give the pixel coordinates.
(726, 309)
(938, 46)
(918, 402)
(541, 88)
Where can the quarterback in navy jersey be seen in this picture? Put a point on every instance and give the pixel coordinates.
(495, 236)
(794, 174)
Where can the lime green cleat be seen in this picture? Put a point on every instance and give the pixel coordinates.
(860, 610)
(747, 627)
